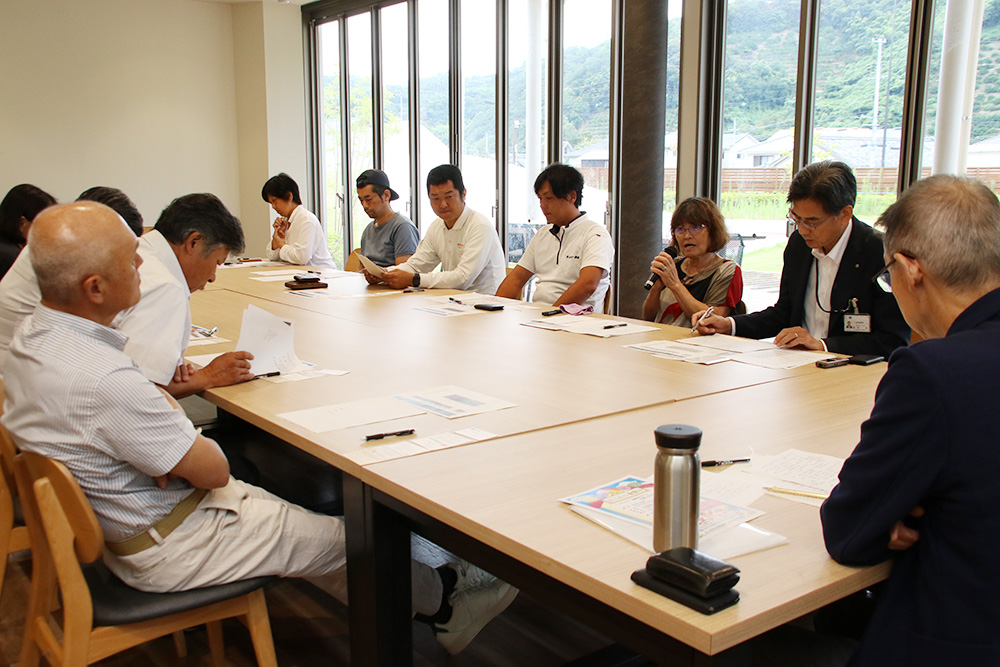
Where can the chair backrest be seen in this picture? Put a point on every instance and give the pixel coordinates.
(88, 538)
(353, 264)
(733, 249)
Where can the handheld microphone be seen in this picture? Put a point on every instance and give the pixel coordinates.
(670, 250)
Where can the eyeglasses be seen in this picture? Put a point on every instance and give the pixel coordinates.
(693, 230)
(883, 278)
(811, 226)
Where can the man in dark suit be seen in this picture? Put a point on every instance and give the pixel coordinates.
(921, 484)
(827, 300)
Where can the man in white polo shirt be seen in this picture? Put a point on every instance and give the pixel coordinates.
(193, 236)
(572, 257)
(462, 241)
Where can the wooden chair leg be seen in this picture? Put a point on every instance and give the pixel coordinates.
(216, 644)
(259, 624)
(180, 644)
(43, 590)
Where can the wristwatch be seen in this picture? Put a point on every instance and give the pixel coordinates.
(416, 280)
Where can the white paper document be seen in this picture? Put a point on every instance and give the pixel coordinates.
(448, 310)
(452, 402)
(429, 443)
(779, 359)
(304, 375)
(728, 343)
(591, 326)
(370, 266)
(353, 413)
(195, 342)
(472, 299)
(668, 349)
(270, 340)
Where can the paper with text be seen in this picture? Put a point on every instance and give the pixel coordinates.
(270, 340)
(452, 402)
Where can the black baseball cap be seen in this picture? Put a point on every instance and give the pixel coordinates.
(376, 177)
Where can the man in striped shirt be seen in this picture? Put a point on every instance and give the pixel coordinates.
(172, 517)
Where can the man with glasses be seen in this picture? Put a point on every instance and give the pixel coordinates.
(572, 258)
(827, 299)
(920, 487)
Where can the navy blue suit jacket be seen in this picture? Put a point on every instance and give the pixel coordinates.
(863, 257)
(932, 441)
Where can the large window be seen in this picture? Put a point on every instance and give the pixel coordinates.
(447, 74)
(527, 64)
(982, 154)
(859, 96)
(758, 139)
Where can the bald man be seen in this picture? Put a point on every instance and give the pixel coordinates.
(173, 518)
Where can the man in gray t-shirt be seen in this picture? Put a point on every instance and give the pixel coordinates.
(391, 238)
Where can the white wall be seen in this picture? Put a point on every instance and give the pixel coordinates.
(142, 95)
(270, 104)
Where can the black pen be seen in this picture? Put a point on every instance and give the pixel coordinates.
(453, 299)
(712, 464)
(615, 326)
(379, 436)
(267, 375)
(551, 312)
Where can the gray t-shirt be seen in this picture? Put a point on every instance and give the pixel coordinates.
(383, 244)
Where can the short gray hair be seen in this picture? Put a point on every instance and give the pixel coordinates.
(952, 225)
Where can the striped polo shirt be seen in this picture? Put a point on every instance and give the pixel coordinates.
(74, 396)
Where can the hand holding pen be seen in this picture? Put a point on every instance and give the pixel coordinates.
(711, 309)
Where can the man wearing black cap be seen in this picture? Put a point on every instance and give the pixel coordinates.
(391, 238)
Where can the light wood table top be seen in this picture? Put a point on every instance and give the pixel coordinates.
(504, 493)
(553, 377)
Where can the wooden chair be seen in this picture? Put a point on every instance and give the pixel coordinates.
(102, 615)
(13, 533)
(353, 264)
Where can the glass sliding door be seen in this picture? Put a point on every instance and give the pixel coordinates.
(330, 136)
(479, 103)
(526, 138)
(396, 103)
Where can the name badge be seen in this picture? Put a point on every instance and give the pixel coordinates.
(858, 323)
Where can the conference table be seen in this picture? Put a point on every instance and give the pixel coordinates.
(584, 414)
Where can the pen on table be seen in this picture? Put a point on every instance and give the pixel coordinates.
(267, 375)
(711, 309)
(551, 312)
(207, 333)
(794, 492)
(713, 464)
(410, 290)
(615, 326)
(393, 434)
(453, 299)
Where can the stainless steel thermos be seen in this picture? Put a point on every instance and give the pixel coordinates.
(676, 487)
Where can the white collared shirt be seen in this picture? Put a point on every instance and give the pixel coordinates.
(469, 254)
(817, 319)
(305, 243)
(19, 296)
(159, 326)
(557, 261)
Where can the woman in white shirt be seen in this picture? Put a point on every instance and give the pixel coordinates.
(298, 236)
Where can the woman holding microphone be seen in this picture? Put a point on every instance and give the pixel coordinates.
(697, 278)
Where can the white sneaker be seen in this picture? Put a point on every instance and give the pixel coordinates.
(470, 576)
(471, 610)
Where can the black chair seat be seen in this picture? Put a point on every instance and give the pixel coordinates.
(116, 603)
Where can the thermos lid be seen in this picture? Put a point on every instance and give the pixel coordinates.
(678, 436)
